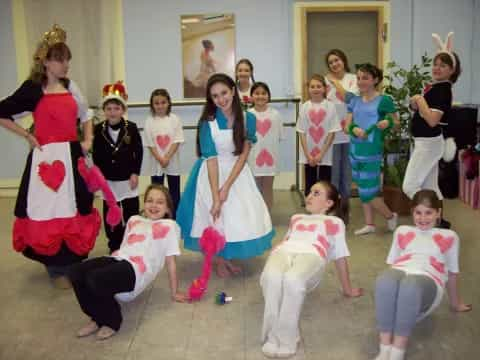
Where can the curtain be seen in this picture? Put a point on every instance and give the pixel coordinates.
(94, 34)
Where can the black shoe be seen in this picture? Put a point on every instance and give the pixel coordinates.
(444, 224)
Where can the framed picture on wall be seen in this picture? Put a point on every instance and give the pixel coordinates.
(208, 47)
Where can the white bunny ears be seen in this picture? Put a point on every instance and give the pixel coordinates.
(445, 47)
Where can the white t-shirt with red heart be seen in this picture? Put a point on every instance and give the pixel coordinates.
(161, 133)
(316, 121)
(433, 253)
(349, 83)
(264, 156)
(322, 235)
(145, 245)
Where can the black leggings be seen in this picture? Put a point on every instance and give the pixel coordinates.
(173, 188)
(130, 207)
(315, 174)
(95, 283)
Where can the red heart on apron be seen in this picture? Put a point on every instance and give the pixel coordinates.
(52, 175)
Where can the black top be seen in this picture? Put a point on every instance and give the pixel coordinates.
(24, 99)
(438, 97)
(118, 160)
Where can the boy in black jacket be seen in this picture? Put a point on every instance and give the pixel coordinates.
(118, 152)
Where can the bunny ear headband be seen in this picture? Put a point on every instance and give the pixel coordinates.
(445, 47)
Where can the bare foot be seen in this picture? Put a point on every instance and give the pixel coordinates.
(222, 270)
(234, 269)
(88, 329)
(104, 333)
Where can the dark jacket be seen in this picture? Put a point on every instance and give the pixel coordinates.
(118, 161)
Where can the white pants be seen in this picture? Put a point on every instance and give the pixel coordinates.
(422, 169)
(285, 280)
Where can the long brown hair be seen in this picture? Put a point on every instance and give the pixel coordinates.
(168, 198)
(208, 113)
(59, 52)
(341, 55)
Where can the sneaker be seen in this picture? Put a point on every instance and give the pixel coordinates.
(392, 222)
(444, 224)
(62, 282)
(104, 333)
(270, 349)
(88, 329)
(367, 229)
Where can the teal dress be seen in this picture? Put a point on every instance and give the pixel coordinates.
(244, 217)
(366, 155)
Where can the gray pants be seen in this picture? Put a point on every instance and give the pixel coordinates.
(400, 299)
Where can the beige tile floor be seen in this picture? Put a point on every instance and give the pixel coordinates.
(39, 322)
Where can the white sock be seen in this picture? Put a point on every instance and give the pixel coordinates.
(384, 353)
(396, 353)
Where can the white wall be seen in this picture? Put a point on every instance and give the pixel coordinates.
(12, 147)
(264, 34)
(153, 41)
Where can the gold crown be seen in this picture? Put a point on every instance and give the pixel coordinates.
(54, 36)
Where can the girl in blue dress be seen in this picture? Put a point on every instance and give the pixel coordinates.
(221, 189)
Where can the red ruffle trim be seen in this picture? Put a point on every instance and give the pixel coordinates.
(45, 237)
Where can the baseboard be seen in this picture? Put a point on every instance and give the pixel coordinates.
(283, 181)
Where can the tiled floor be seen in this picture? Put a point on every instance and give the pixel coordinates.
(39, 321)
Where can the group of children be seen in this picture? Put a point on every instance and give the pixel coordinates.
(56, 223)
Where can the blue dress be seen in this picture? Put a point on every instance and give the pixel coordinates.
(244, 216)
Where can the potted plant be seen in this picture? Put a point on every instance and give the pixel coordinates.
(401, 84)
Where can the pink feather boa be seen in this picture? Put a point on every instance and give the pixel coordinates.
(211, 242)
(96, 181)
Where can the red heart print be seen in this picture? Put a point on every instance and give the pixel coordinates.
(264, 158)
(405, 239)
(132, 224)
(331, 227)
(323, 241)
(343, 122)
(316, 133)
(317, 117)
(309, 228)
(294, 220)
(134, 238)
(437, 265)
(163, 141)
(315, 151)
(339, 96)
(403, 258)
(52, 175)
(263, 126)
(444, 243)
(138, 260)
(160, 231)
(320, 250)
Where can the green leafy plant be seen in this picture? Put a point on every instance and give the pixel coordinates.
(401, 84)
